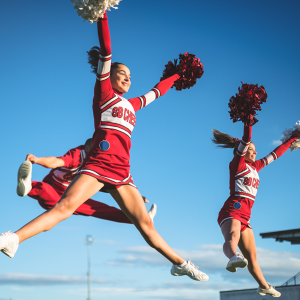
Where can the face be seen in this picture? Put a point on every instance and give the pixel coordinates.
(251, 153)
(120, 79)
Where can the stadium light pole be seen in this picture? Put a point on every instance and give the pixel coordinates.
(89, 241)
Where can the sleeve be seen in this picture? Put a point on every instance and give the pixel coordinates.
(72, 158)
(259, 164)
(238, 162)
(159, 90)
(103, 90)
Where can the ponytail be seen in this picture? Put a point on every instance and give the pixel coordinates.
(223, 140)
(93, 58)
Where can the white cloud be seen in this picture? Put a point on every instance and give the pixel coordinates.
(279, 266)
(33, 280)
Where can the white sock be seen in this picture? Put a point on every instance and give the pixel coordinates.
(183, 264)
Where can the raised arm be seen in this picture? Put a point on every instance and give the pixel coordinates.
(50, 162)
(103, 90)
(160, 89)
(238, 161)
(259, 164)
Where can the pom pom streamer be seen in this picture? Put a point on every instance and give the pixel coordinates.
(189, 68)
(288, 133)
(244, 105)
(92, 10)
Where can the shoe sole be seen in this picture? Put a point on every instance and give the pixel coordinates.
(23, 172)
(153, 210)
(240, 264)
(6, 253)
(264, 294)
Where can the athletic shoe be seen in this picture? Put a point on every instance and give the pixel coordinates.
(190, 270)
(236, 261)
(152, 211)
(9, 243)
(24, 179)
(270, 291)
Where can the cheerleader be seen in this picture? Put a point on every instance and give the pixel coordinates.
(106, 166)
(64, 169)
(234, 217)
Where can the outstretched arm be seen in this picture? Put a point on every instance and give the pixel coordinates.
(238, 161)
(50, 162)
(160, 89)
(259, 164)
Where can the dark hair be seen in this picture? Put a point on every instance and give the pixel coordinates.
(89, 143)
(224, 140)
(93, 58)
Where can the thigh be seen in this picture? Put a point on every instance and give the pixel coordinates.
(81, 189)
(247, 244)
(231, 228)
(131, 202)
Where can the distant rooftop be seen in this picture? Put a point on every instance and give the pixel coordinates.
(292, 235)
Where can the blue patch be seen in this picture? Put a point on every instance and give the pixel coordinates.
(104, 145)
(237, 205)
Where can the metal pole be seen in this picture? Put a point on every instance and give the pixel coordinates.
(89, 241)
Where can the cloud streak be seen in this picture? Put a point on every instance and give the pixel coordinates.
(38, 280)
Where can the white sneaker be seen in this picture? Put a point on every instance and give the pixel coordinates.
(236, 261)
(190, 270)
(270, 291)
(9, 243)
(152, 211)
(24, 179)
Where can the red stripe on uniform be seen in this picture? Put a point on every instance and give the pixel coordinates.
(111, 104)
(116, 125)
(156, 93)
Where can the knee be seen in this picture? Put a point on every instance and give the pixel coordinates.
(63, 209)
(147, 226)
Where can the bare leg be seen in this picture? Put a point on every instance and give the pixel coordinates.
(132, 204)
(247, 246)
(231, 230)
(81, 189)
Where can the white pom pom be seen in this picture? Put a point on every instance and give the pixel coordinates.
(288, 133)
(92, 10)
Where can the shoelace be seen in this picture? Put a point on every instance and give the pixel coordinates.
(239, 255)
(196, 267)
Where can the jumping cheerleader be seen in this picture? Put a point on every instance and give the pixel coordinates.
(107, 163)
(234, 217)
(64, 169)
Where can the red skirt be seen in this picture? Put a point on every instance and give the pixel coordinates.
(112, 170)
(236, 208)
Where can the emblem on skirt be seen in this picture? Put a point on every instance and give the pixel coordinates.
(104, 145)
(237, 205)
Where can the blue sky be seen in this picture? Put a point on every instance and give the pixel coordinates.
(46, 98)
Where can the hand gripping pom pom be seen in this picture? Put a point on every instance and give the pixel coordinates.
(288, 133)
(189, 68)
(244, 105)
(92, 10)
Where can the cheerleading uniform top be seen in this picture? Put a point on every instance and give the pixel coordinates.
(114, 119)
(73, 160)
(244, 179)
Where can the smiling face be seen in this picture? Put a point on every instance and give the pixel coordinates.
(120, 79)
(251, 154)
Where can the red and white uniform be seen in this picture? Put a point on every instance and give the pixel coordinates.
(73, 160)
(49, 191)
(114, 120)
(244, 180)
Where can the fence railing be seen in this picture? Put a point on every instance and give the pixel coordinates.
(294, 278)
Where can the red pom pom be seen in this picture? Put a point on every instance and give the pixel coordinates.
(189, 68)
(244, 105)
